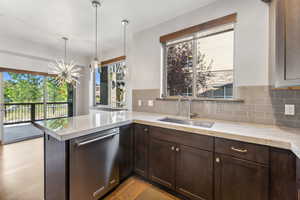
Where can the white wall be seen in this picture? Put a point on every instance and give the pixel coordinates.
(251, 43)
(18, 54)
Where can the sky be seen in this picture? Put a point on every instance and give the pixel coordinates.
(97, 77)
(5, 76)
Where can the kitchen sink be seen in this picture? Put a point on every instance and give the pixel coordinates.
(111, 109)
(200, 123)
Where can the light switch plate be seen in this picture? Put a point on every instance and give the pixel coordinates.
(140, 103)
(289, 109)
(150, 103)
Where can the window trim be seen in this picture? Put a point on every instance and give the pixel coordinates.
(228, 19)
(164, 45)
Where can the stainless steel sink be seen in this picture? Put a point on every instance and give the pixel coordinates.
(111, 109)
(205, 124)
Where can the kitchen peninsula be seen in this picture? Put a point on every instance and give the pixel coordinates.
(87, 156)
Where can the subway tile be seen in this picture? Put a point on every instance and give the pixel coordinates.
(262, 105)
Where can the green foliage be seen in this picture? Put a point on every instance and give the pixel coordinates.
(56, 93)
(21, 88)
(28, 88)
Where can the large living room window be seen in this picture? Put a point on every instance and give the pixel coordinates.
(200, 61)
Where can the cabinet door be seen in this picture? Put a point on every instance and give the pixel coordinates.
(126, 152)
(141, 150)
(162, 162)
(237, 179)
(283, 175)
(194, 173)
(287, 42)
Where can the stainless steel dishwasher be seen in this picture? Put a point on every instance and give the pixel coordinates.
(93, 165)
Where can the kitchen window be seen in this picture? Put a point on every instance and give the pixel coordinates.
(200, 64)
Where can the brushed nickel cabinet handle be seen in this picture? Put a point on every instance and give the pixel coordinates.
(172, 148)
(146, 129)
(218, 160)
(177, 149)
(79, 144)
(239, 150)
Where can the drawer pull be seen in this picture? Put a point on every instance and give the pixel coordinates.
(172, 148)
(177, 149)
(146, 129)
(239, 150)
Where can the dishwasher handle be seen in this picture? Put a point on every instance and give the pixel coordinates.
(79, 144)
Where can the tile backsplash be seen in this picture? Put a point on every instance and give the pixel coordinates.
(262, 104)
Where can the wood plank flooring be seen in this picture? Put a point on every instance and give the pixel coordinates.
(21, 170)
(137, 189)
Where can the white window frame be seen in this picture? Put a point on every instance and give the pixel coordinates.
(214, 31)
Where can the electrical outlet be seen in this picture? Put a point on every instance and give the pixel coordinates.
(150, 103)
(140, 103)
(289, 109)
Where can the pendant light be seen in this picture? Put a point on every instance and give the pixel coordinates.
(95, 62)
(124, 23)
(65, 71)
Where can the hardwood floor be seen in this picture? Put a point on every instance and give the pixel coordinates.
(137, 189)
(21, 170)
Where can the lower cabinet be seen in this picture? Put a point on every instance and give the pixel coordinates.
(141, 150)
(201, 167)
(126, 152)
(237, 179)
(283, 174)
(194, 170)
(162, 159)
(187, 170)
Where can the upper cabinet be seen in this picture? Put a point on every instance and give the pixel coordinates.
(287, 43)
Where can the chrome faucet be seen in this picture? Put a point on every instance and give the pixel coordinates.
(189, 108)
(190, 114)
(179, 105)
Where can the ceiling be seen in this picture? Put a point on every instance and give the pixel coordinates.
(46, 21)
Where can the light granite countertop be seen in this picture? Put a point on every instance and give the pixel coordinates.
(73, 127)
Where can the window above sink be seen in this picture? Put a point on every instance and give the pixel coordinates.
(200, 64)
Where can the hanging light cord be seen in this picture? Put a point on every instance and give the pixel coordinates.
(124, 39)
(65, 49)
(96, 46)
(65, 40)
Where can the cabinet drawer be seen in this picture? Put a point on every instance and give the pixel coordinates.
(179, 137)
(247, 151)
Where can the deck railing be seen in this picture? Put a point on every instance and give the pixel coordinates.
(15, 113)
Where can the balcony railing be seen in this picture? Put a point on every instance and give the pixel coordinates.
(15, 113)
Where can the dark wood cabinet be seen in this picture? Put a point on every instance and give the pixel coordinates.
(200, 167)
(282, 175)
(126, 152)
(194, 173)
(141, 150)
(162, 162)
(298, 177)
(55, 169)
(237, 179)
(177, 161)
